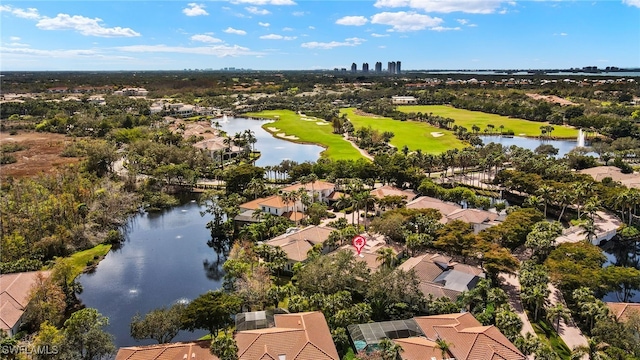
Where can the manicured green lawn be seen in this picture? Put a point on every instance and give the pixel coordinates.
(416, 135)
(469, 118)
(290, 123)
(546, 332)
(80, 259)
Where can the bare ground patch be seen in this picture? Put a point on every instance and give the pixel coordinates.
(42, 153)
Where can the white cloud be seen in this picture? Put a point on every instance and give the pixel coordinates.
(194, 9)
(264, 24)
(287, 29)
(14, 38)
(330, 45)
(231, 30)
(277, 37)
(257, 11)
(312, 27)
(406, 21)
(635, 3)
(442, 28)
(205, 39)
(382, 47)
(17, 44)
(217, 50)
(65, 54)
(298, 13)
(84, 25)
(462, 21)
(352, 21)
(29, 13)
(264, 2)
(560, 34)
(379, 35)
(448, 6)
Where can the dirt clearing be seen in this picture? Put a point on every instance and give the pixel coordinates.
(41, 153)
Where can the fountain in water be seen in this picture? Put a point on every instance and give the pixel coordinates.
(580, 138)
(224, 119)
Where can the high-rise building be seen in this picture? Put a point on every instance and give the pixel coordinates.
(354, 67)
(398, 70)
(391, 67)
(378, 67)
(365, 67)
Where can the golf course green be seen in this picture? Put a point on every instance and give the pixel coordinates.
(469, 118)
(302, 129)
(413, 134)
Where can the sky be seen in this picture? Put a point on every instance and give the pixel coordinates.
(304, 35)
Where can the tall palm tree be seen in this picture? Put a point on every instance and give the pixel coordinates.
(389, 349)
(558, 312)
(594, 350)
(366, 199)
(546, 193)
(564, 197)
(444, 347)
(386, 257)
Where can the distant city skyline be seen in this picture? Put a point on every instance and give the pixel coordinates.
(310, 35)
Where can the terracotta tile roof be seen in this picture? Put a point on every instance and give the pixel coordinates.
(335, 196)
(622, 311)
(297, 244)
(294, 215)
(439, 276)
(275, 201)
(468, 338)
(388, 190)
(425, 202)
(317, 185)
(472, 216)
(600, 172)
(302, 336)
(14, 296)
(419, 348)
(198, 350)
(255, 204)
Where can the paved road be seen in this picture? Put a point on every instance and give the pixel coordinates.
(511, 285)
(570, 333)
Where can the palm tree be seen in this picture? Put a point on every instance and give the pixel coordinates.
(386, 257)
(558, 312)
(365, 198)
(564, 197)
(588, 229)
(224, 347)
(389, 349)
(444, 347)
(534, 201)
(545, 192)
(256, 186)
(594, 350)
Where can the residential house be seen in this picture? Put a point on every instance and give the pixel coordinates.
(131, 92)
(441, 277)
(622, 311)
(599, 173)
(404, 100)
(319, 190)
(369, 254)
(388, 190)
(297, 244)
(479, 219)
(426, 202)
(14, 298)
(300, 336)
(194, 350)
(466, 337)
(274, 205)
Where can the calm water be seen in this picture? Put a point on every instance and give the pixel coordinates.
(164, 260)
(273, 150)
(622, 253)
(563, 146)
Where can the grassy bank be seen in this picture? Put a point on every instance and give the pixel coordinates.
(415, 135)
(469, 118)
(89, 257)
(308, 132)
(547, 333)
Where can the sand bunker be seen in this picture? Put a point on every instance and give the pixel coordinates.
(437, 134)
(308, 119)
(322, 123)
(273, 129)
(522, 134)
(290, 137)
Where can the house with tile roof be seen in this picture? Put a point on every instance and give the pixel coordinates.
(479, 219)
(194, 350)
(369, 253)
(440, 276)
(320, 190)
(427, 202)
(300, 336)
(14, 298)
(297, 244)
(468, 338)
(388, 190)
(274, 205)
(622, 311)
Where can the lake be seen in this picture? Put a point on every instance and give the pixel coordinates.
(622, 253)
(273, 150)
(563, 146)
(165, 259)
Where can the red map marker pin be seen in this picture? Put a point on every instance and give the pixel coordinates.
(359, 242)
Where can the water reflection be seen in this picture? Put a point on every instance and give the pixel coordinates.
(563, 146)
(273, 150)
(164, 260)
(627, 254)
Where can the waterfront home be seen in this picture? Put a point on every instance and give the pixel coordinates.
(297, 243)
(318, 190)
(14, 298)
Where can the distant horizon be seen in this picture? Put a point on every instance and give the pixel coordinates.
(302, 35)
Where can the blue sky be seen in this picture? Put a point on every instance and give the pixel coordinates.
(301, 34)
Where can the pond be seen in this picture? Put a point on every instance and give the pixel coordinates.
(273, 150)
(622, 253)
(563, 146)
(165, 259)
